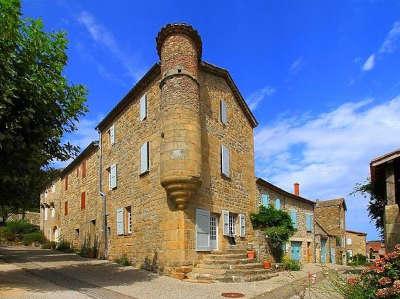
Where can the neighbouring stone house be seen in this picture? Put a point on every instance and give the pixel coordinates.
(356, 243)
(29, 216)
(331, 215)
(385, 180)
(375, 249)
(301, 245)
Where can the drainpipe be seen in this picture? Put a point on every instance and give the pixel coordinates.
(103, 197)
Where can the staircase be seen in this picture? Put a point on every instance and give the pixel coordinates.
(231, 265)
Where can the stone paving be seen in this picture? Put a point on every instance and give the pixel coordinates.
(38, 273)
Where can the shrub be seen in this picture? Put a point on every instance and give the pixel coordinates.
(358, 260)
(33, 237)
(88, 250)
(291, 265)
(49, 245)
(20, 227)
(64, 246)
(123, 261)
(380, 280)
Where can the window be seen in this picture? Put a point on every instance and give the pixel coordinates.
(293, 216)
(66, 182)
(112, 176)
(77, 232)
(349, 254)
(265, 199)
(83, 166)
(348, 241)
(309, 222)
(66, 208)
(83, 200)
(232, 224)
(223, 112)
(143, 107)
(120, 221)
(45, 213)
(128, 220)
(242, 223)
(277, 204)
(111, 134)
(144, 158)
(225, 161)
(53, 212)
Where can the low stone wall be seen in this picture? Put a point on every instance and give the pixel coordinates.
(31, 217)
(262, 248)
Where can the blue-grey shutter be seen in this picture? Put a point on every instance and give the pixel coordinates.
(144, 157)
(265, 200)
(225, 160)
(242, 222)
(293, 216)
(225, 224)
(223, 112)
(143, 107)
(112, 134)
(113, 176)
(278, 204)
(120, 221)
(202, 230)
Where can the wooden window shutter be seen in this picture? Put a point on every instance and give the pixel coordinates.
(120, 221)
(242, 222)
(113, 176)
(143, 107)
(112, 134)
(225, 161)
(144, 158)
(225, 222)
(277, 204)
(223, 112)
(293, 216)
(66, 208)
(83, 200)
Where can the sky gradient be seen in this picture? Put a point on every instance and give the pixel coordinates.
(322, 77)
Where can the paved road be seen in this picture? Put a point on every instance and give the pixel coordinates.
(38, 273)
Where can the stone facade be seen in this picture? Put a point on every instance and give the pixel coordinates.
(331, 215)
(297, 206)
(31, 217)
(385, 180)
(356, 243)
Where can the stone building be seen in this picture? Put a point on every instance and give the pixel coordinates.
(385, 180)
(301, 246)
(331, 216)
(375, 249)
(174, 165)
(50, 207)
(356, 243)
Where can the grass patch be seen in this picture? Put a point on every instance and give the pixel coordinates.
(123, 261)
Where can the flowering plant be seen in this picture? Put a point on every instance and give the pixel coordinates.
(382, 279)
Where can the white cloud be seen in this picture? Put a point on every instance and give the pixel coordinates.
(389, 45)
(329, 153)
(103, 36)
(369, 63)
(256, 97)
(296, 66)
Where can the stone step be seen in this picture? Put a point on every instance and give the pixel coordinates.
(227, 261)
(232, 277)
(230, 266)
(231, 272)
(225, 256)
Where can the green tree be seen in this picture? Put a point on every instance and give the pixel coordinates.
(376, 204)
(37, 105)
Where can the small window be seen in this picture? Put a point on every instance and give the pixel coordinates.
(225, 169)
(144, 158)
(265, 199)
(277, 204)
(348, 241)
(83, 166)
(128, 220)
(111, 134)
(83, 200)
(66, 208)
(143, 107)
(223, 112)
(77, 232)
(232, 224)
(112, 176)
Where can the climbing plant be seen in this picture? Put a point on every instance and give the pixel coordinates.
(277, 226)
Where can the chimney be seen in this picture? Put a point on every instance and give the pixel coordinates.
(296, 189)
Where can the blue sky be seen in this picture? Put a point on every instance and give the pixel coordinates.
(322, 77)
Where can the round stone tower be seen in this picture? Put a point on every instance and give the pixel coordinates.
(179, 48)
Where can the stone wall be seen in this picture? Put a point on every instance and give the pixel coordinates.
(358, 244)
(392, 226)
(31, 217)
